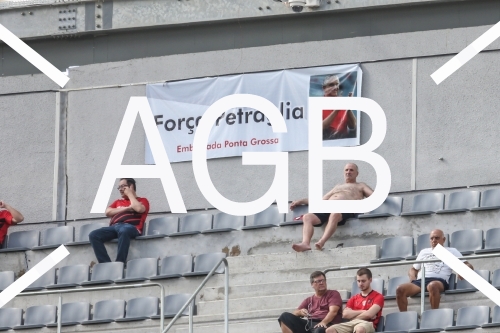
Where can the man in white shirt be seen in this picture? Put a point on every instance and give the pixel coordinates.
(437, 274)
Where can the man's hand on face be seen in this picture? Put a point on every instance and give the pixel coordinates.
(129, 191)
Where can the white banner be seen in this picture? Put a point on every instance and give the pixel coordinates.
(178, 107)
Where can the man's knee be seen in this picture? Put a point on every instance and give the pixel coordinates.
(435, 288)
(402, 290)
(94, 235)
(310, 218)
(359, 329)
(331, 329)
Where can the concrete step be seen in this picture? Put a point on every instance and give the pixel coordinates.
(268, 289)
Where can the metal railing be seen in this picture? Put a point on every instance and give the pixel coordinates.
(87, 289)
(188, 303)
(411, 262)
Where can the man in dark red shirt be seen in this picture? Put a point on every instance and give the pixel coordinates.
(8, 217)
(127, 220)
(317, 311)
(363, 310)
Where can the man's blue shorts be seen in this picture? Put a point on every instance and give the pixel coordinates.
(429, 280)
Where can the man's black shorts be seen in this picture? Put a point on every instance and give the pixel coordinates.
(418, 282)
(323, 217)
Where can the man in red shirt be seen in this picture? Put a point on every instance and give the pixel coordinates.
(127, 219)
(337, 124)
(8, 217)
(316, 312)
(363, 310)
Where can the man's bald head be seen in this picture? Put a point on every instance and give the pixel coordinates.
(437, 237)
(350, 172)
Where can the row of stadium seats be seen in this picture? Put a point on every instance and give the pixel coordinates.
(467, 242)
(437, 320)
(170, 226)
(456, 286)
(429, 203)
(112, 272)
(107, 311)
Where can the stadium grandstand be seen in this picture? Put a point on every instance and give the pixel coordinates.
(442, 146)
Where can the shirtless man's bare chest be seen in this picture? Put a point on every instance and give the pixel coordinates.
(348, 191)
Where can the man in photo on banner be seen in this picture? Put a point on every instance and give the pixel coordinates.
(337, 124)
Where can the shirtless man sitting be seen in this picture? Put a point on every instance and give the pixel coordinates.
(350, 190)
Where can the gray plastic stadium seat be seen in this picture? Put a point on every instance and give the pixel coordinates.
(435, 320)
(105, 273)
(268, 218)
(224, 222)
(107, 311)
(392, 206)
(204, 263)
(377, 285)
(495, 318)
(140, 270)
(471, 317)
(173, 303)
(10, 317)
(53, 237)
(461, 202)
(85, 230)
(38, 316)
(401, 321)
(495, 279)
(423, 242)
(140, 308)
(467, 241)
(71, 276)
(392, 284)
(490, 199)
(194, 224)
(45, 280)
(492, 242)
(21, 241)
(297, 212)
(174, 267)
(161, 227)
(380, 324)
(395, 248)
(426, 204)
(73, 314)
(463, 286)
(6, 279)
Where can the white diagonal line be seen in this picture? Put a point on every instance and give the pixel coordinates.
(466, 54)
(33, 57)
(32, 275)
(472, 277)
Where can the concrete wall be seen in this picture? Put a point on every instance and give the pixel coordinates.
(451, 120)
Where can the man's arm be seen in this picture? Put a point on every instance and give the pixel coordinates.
(328, 120)
(300, 202)
(370, 313)
(332, 312)
(367, 190)
(349, 313)
(110, 211)
(135, 204)
(300, 312)
(469, 265)
(412, 274)
(17, 217)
